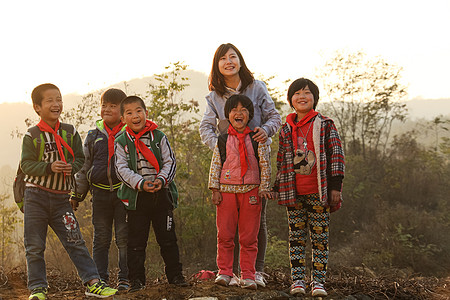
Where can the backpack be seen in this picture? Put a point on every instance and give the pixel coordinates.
(19, 180)
(222, 144)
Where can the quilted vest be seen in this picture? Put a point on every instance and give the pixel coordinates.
(231, 169)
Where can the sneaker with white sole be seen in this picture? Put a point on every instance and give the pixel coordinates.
(39, 293)
(100, 290)
(260, 278)
(298, 287)
(235, 281)
(248, 284)
(318, 290)
(223, 280)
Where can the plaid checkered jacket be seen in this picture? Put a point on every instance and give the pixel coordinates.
(331, 157)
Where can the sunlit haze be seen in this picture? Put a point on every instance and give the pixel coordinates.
(86, 45)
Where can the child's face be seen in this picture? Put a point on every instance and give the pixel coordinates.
(229, 64)
(110, 113)
(134, 116)
(51, 106)
(238, 117)
(303, 101)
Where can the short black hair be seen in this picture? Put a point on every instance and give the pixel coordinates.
(233, 102)
(300, 84)
(129, 100)
(37, 93)
(113, 95)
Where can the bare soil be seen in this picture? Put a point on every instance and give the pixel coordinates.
(345, 284)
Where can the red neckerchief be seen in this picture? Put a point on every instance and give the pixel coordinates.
(58, 139)
(141, 147)
(111, 138)
(242, 148)
(290, 119)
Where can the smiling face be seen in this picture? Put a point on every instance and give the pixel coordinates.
(51, 106)
(110, 113)
(229, 64)
(239, 117)
(135, 116)
(303, 101)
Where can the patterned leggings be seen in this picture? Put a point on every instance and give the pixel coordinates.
(310, 214)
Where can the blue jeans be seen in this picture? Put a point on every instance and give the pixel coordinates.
(106, 209)
(43, 209)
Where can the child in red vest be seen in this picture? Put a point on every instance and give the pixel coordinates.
(239, 177)
(310, 167)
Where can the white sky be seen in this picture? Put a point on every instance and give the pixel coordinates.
(86, 45)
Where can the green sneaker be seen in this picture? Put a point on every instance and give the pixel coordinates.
(39, 293)
(100, 290)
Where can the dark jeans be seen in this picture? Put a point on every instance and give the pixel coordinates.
(152, 209)
(43, 209)
(106, 210)
(262, 243)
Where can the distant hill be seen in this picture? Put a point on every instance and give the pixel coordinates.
(12, 115)
(428, 108)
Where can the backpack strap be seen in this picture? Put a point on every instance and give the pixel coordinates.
(222, 143)
(36, 136)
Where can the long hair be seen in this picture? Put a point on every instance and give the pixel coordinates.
(216, 81)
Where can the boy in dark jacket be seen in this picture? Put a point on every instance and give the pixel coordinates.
(146, 166)
(99, 176)
(49, 163)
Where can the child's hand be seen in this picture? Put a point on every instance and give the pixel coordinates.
(152, 187)
(61, 167)
(267, 195)
(260, 136)
(335, 197)
(216, 197)
(275, 195)
(74, 203)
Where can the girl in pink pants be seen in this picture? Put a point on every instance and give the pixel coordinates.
(239, 177)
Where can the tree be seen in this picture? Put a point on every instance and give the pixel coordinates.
(365, 96)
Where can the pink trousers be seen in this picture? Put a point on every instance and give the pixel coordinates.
(244, 211)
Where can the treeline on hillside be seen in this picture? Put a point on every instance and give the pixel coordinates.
(395, 214)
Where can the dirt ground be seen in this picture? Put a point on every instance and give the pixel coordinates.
(348, 285)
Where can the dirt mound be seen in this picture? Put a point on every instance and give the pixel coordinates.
(346, 284)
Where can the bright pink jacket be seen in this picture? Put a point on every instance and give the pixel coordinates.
(231, 170)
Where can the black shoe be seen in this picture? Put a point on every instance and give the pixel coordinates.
(136, 285)
(179, 281)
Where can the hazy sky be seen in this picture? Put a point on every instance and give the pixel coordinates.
(86, 45)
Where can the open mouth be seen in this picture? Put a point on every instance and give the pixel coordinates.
(238, 120)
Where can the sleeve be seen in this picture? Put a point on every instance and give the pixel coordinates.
(77, 148)
(167, 172)
(264, 166)
(81, 176)
(208, 125)
(280, 158)
(335, 157)
(271, 119)
(125, 174)
(29, 159)
(215, 170)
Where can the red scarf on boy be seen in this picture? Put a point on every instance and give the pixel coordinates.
(141, 147)
(111, 138)
(58, 139)
(242, 148)
(290, 119)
